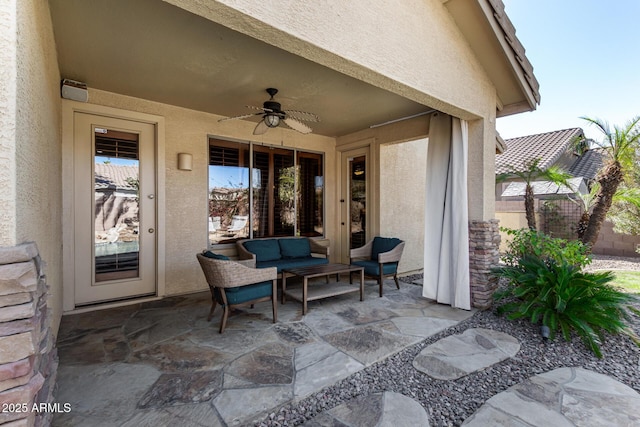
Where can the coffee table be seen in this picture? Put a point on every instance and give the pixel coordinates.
(320, 290)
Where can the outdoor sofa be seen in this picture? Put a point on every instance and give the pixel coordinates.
(283, 252)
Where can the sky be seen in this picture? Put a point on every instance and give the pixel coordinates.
(586, 57)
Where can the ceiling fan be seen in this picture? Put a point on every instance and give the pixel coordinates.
(272, 115)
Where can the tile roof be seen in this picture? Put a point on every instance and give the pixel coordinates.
(588, 164)
(510, 36)
(114, 176)
(547, 146)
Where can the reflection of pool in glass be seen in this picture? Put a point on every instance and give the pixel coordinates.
(117, 260)
(104, 249)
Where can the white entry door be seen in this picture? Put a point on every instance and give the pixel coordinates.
(114, 209)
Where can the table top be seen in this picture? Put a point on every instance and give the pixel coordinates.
(322, 269)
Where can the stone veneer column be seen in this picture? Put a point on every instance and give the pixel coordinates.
(484, 253)
(28, 358)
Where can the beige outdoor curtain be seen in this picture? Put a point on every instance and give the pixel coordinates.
(446, 237)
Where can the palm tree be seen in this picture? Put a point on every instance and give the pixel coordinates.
(619, 146)
(530, 172)
(586, 203)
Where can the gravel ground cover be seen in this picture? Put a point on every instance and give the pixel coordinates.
(449, 403)
(603, 262)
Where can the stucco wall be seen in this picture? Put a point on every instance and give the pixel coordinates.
(34, 172)
(402, 198)
(425, 58)
(186, 191)
(8, 38)
(481, 168)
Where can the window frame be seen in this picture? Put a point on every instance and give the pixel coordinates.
(251, 145)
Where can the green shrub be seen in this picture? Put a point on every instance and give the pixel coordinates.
(563, 298)
(526, 242)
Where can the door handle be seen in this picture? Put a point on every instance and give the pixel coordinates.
(151, 196)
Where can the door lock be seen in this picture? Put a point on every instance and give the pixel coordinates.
(151, 230)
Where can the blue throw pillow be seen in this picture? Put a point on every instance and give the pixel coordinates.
(210, 254)
(383, 244)
(265, 250)
(295, 248)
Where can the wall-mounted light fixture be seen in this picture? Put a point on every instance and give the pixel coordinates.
(185, 161)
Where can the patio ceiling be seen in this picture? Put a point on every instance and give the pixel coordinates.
(152, 50)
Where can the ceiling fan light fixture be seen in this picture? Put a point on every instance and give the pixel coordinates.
(272, 120)
(271, 114)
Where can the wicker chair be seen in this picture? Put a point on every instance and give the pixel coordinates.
(380, 258)
(236, 284)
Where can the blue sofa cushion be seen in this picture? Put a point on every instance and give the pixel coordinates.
(372, 268)
(265, 250)
(246, 293)
(283, 264)
(383, 244)
(295, 248)
(210, 254)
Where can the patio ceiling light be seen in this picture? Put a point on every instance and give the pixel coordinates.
(272, 120)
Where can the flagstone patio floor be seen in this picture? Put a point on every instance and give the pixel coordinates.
(161, 362)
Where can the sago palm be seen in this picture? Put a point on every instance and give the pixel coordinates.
(565, 299)
(619, 146)
(529, 172)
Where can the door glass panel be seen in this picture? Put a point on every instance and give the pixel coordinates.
(116, 205)
(310, 195)
(273, 186)
(261, 197)
(284, 207)
(358, 201)
(228, 191)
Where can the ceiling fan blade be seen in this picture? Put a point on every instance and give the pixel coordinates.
(302, 115)
(244, 116)
(261, 128)
(268, 110)
(296, 125)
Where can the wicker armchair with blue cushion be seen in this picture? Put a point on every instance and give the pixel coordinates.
(380, 258)
(236, 284)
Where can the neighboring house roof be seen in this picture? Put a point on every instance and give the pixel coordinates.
(547, 146)
(588, 164)
(540, 188)
(114, 176)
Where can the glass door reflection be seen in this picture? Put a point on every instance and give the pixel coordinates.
(116, 205)
(358, 201)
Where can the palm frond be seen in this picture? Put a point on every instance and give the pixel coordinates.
(616, 143)
(628, 195)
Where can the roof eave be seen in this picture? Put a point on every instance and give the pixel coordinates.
(500, 53)
(514, 52)
(501, 146)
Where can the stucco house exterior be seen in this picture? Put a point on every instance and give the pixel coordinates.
(162, 74)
